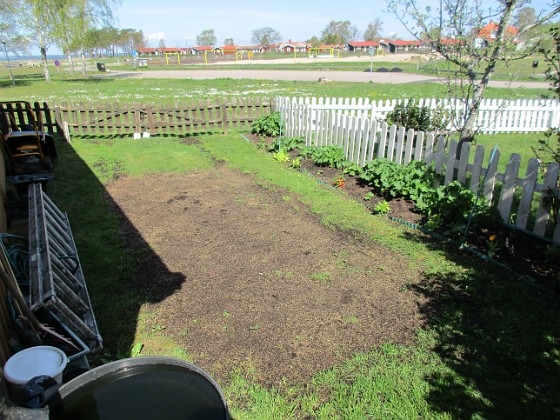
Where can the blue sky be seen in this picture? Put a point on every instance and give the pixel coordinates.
(179, 22)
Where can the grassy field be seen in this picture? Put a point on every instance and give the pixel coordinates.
(490, 346)
(423, 64)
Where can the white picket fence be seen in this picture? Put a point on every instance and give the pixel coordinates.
(523, 202)
(495, 116)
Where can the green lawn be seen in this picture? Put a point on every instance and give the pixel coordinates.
(31, 86)
(489, 348)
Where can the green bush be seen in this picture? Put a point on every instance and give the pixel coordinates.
(451, 205)
(331, 156)
(410, 115)
(393, 180)
(287, 144)
(267, 125)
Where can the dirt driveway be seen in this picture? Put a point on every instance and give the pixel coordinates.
(268, 286)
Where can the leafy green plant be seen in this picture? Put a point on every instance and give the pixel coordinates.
(281, 156)
(369, 196)
(451, 206)
(352, 169)
(267, 125)
(382, 207)
(331, 156)
(393, 180)
(296, 163)
(287, 143)
(409, 115)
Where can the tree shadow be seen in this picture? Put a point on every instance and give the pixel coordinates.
(119, 266)
(498, 337)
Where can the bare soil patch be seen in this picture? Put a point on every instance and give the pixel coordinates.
(267, 285)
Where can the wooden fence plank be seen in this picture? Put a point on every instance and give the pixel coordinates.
(528, 189)
(508, 187)
(543, 212)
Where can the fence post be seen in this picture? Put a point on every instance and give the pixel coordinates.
(224, 116)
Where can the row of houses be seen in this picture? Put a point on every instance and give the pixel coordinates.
(392, 46)
(485, 36)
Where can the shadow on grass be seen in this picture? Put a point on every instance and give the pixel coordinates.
(118, 264)
(499, 336)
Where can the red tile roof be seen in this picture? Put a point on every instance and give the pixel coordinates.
(486, 32)
(403, 43)
(364, 44)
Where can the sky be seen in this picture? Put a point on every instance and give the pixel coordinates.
(180, 22)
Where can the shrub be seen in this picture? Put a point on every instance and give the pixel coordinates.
(451, 206)
(331, 156)
(410, 115)
(393, 180)
(267, 125)
(287, 144)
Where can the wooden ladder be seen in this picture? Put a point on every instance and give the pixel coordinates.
(56, 279)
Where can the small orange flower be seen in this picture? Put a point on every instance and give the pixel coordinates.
(492, 238)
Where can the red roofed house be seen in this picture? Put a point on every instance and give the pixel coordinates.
(358, 46)
(489, 33)
(146, 51)
(201, 49)
(288, 47)
(398, 45)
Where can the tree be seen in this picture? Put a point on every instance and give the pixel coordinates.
(458, 23)
(314, 41)
(265, 36)
(60, 22)
(207, 37)
(524, 17)
(161, 43)
(229, 41)
(338, 32)
(373, 30)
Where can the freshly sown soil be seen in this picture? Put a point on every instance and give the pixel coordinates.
(266, 284)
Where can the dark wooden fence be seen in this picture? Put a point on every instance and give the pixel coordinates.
(176, 118)
(16, 116)
(129, 119)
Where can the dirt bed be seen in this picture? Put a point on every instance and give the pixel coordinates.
(266, 285)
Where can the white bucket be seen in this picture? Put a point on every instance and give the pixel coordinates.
(32, 362)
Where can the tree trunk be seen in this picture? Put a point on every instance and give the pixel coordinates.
(83, 63)
(71, 64)
(45, 64)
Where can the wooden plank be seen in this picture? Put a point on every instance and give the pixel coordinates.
(463, 163)
(391, 143)
(508, 187)
(410, 142)
(439, 155)
(382, 140)
(528, 190)
(476, 170)
(490, 175)
(543, 212)
(450, 162)
(399, 149)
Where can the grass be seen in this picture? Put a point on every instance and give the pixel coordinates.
(489, 349)
(63, 88)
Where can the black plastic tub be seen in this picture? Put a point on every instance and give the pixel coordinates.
(141, 388)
